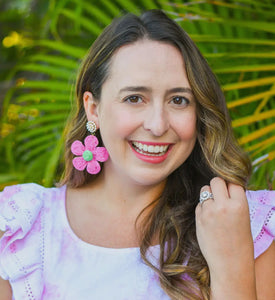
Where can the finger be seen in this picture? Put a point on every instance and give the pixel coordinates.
(236, 191)
(219, 189)
(198, 212)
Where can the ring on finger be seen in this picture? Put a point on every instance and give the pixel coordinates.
(205, 195)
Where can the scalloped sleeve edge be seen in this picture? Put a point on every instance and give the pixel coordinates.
(262, 218)
(20, 206)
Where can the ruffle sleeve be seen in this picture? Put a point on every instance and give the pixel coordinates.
(21, 246)
(262, 217)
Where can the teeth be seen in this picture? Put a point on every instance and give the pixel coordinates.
(156, 150)
(151, 149)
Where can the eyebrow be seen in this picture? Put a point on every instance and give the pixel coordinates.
(147, 89)
(180, 90)
(135, 89)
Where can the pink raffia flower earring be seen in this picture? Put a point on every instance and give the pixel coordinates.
(89, 153)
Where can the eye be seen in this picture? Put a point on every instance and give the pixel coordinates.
(134, 99)
(180, 100)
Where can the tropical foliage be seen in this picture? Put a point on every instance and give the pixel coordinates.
(236, 37)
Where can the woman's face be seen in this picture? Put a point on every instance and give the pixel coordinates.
(146, 114)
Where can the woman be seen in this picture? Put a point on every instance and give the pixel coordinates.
(126, 222)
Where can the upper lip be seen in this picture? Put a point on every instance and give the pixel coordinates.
(152, 143)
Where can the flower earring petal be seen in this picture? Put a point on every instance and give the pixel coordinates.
(77, 148)
(91, 142)
(101, 154)
(89, 153)
(93, 167)
(79, 163)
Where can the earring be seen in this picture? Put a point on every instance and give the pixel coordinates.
(89, 154)
(91, 126)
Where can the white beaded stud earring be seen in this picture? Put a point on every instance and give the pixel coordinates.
(91, 126)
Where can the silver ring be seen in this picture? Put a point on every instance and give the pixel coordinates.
(205, 195)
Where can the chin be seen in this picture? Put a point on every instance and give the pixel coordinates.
(149, 179)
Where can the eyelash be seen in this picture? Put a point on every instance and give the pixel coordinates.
(128, 99)
(139, 100)
(184, 99)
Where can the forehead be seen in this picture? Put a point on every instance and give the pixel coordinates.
(147, 59)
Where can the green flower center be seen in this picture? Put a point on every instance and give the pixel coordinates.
(87, 155)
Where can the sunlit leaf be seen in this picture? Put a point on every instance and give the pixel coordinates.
(236, 37)
(256, 134)
(254, 118)
(249, 83)
(250, 99)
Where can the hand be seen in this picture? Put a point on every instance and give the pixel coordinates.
(224, 236)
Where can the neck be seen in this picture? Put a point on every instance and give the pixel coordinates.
(122, 196)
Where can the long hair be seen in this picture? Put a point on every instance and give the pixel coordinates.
(182, 269)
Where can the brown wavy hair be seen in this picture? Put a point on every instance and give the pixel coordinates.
(171, 217)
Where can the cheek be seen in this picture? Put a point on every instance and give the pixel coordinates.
(187, 128)
(117, 121)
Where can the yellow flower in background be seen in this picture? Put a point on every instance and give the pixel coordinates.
(15, 39)
(33, 112)
(17, 112)
(13, 112)
(6, 129)
(20, 82)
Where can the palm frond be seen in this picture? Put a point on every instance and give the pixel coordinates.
(236, 37)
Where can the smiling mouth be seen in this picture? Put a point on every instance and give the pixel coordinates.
(150, 150)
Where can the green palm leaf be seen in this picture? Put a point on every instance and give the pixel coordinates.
(236, 37)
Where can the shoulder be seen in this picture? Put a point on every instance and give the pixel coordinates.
(24, 211)
(262, 217)
(261, 196)
(25, 191)
(21, 204)
(21, 209)
(20, 195)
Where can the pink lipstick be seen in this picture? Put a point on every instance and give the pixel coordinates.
(151, 152)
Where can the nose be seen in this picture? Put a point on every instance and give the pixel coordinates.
(156, 120)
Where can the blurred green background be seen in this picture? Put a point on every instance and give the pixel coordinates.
(42, 43)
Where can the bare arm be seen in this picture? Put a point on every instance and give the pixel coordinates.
(5, 288)
(265, 274)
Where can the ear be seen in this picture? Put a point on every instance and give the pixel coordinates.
(91, 107)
